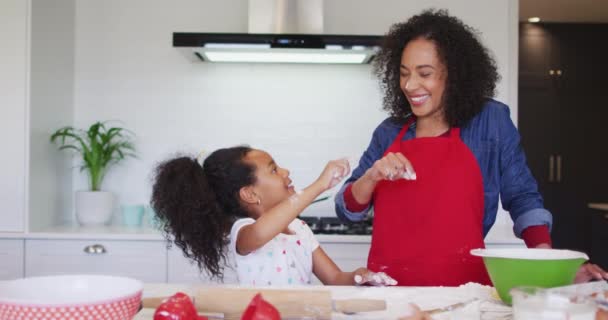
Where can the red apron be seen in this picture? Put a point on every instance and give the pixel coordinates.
(425, 228)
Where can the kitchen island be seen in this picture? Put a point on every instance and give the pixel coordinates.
(483, 302)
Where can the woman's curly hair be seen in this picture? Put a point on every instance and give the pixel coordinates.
(471, 70)
(197, 205)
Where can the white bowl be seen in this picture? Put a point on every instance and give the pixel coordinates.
(70, 297)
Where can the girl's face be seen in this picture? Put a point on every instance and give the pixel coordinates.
(422, 78)
(273, 184)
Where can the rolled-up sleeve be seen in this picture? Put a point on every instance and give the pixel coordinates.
(342, 211)
(518, 188)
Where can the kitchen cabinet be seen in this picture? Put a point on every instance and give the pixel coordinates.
(348, 256)
(562, 116)
(143, 260)
(11, 259)
(14, 64)
(145, 257)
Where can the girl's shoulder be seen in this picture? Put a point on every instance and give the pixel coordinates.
(300, 227)
(238, 224)
(242, 222)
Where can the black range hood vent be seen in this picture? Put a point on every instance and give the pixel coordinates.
(278, 48)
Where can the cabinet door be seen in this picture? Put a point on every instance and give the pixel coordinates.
(563, 119)
(540, 123)
(13, 99)
(183, 270)
(11, 259)
(584, 153)
(143, 260)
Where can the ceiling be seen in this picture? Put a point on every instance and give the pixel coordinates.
(582, 11)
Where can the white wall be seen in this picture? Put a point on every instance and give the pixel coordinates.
(126, 69)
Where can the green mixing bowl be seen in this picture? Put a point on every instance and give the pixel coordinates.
(515, 267)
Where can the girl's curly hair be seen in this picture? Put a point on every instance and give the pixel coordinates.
(471, 70)
(197, 205)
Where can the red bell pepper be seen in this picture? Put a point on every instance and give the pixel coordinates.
(260, 309)
(177, 307)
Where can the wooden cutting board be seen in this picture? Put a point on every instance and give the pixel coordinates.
(291, 303)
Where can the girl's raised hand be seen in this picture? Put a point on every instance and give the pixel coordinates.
(334, 172)
(364, 276)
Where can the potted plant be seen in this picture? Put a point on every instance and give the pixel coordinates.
(99, 147)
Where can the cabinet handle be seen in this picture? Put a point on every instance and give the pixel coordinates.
(95, 249)
(559, 168)
(551, 167)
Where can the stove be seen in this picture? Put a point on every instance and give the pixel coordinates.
(333, 225)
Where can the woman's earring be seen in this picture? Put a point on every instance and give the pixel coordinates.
(259, 202)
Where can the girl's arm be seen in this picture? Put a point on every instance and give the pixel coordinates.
(330, 274)
(275, 220)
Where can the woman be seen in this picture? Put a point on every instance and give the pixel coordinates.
(434, 170)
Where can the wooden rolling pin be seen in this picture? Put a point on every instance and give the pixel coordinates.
(291, 303)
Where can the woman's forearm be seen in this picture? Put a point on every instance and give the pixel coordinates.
(363, 189)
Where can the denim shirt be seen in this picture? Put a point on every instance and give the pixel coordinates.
(494, 140)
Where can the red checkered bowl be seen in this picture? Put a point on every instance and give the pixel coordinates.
(70, 297)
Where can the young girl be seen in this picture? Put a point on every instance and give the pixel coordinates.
(240, 201)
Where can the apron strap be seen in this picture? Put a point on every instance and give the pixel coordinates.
(403, 131)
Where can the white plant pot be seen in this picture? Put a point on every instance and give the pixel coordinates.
(94, 208)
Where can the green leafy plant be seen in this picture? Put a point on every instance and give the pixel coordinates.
(99, 146)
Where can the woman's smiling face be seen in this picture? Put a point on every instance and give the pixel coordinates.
(423, 78)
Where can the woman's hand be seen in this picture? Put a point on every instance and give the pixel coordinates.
(590, 271)
(367, 277)
(393, 166)
(334, 172)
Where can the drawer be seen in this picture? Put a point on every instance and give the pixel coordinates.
(11, 259)
(183, 270)
(143, 260)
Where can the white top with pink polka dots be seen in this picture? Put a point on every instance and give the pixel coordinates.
(284, 260)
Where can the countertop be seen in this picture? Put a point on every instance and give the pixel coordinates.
(483, 305)
(145, 234)
(151, 234)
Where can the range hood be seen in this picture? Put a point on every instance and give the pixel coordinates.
(280, 31)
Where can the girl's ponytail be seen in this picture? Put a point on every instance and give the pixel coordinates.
(197, 206)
